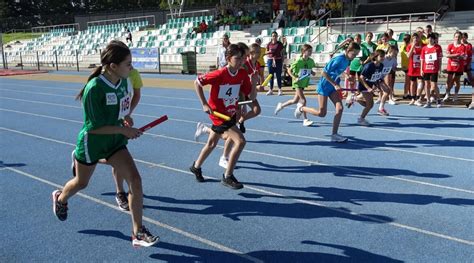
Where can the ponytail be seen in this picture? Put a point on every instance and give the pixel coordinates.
(94, 74)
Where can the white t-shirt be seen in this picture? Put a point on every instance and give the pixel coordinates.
(222, 62)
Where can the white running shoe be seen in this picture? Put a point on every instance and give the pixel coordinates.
(427, 105)
(418, 103)
(338, 138)
(471, 106)
(201, 129)
(307, 122)
(412, 102)
(446, 97)
(432, 99)
(223, 162)
(279, 92)
(377, 101)
(270, 92)
(298, 110)
(392, 102)
(363, 122)
(278, 108)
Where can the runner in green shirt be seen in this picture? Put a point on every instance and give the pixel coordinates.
(106, 103)
(300, 71)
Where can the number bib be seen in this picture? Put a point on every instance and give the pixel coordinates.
(386, 70)
(416, 61)
(304, 72)
(229, 93)
(376, 76)
(431, 57)
(125, 104)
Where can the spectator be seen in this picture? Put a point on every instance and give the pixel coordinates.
(221, 60)
(391, 41)
(129, 37)
(428, 30)
(261, 60)
(276, 8)
(201, 28)
(275, 62)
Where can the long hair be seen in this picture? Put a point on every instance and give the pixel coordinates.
(115, 52)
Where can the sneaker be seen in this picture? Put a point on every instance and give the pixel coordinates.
(144, 238)
(377, 101)
(455, 97)
(298, 110)
(406, 96)
(122, 201)
(446, 97)
(392, 102)
(471, 106)
(59, 209)
(338, 138)
(363, 122)
(73, 163)
(279, 92)
(412, 102)
(439, 104)
(197, 172)
(278, 108)
(200, 130)
(427, 105)
(223, 162)
(382, 112)
(432, 99)
(418, 103)
(270, 92)
(231, 182)
(307, 122)
(242, 127)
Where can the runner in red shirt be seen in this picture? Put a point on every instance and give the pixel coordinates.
(468, 67)
(456, 54)
(414, 69)
(226, 85)
(431, 56)
(467, 64)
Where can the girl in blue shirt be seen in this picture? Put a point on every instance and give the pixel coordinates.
(327, 87)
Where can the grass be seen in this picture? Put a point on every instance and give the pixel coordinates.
(18, 36)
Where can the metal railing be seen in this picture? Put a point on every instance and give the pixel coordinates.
(150, 19)
(326, 15)
(381, 19)
(42, 29)
(205, 12)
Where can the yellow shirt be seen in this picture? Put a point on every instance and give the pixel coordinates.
(290, 5)
(135, 79)
(404, 56)
(262, 54)
(383, 47)
(424, 40)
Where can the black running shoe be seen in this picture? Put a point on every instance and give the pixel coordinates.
(59, 209)
(122, 201)
(231, 182)
(242, 127)
(144, 238)
(197, 172)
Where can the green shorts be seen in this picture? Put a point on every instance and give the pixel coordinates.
(90, 148)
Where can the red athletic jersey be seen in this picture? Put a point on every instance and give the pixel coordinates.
(414, 63)
(251, 70)
(431, 58)
(225, 89)
(469, 53)
(455, 64)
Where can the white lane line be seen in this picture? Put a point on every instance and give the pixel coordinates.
(403, 226)
(266, 154)
(285, 134)
(427, 119)
(145, 218)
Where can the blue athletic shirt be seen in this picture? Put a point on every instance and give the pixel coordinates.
(371, 74)
(334, 68)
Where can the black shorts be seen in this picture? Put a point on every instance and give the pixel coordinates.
(224, 126)
(414, 78)
(455, 73)
(467, 68)
(106, 158)
(353, 73)
(433, 77)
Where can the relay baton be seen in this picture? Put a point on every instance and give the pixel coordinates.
(220, 115)
(265, 83)
(154, 123)
(245, 102)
